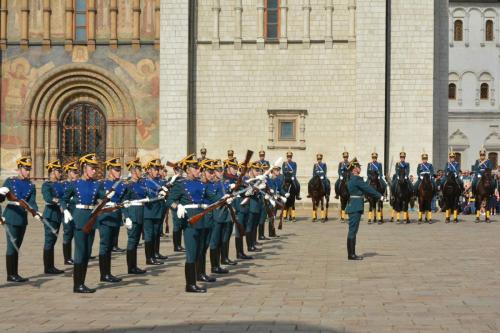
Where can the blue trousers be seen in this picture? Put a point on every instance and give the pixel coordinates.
(50, 238)
(354, 219)
(18, 234)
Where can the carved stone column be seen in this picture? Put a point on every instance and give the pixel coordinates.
(466, 29)
(46, 24)
(24, 24)
(352, 20)
(238, 9)
(136, 36)
(91, 25)
(216, 17)
(329, 16)
(306, 38)
(283, 12)
(113, 22)
(157, 24)
(260, 24)
(3, 24)
(68, 35)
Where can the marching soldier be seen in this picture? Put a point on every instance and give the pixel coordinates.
(358, 189)
(52, 192)
(254, 212)
(265, 206)
(289, 169)
(342, 170)
(110, 222)
(72, 174)
(188, 196)
(402, 164)
(176, 222)
(320, 169)
(16, 217)
(374, 168)
(423, 168)
(276, 184)
(153, 213)
(136, 190)
(242, 211)
(230, 176)
(479, 168)
(84, 192)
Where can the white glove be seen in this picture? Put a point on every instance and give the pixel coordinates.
(55, 200)
(382, 198)
(478, 176)
(421, 178)
(267, 197)
(249, 192)
(38, 216)
(232, 186)
(261, 177)
(244, 201)
(164, 188)
(181, 211)
(406, 177)
(67, 216)
(229, 201)
(126, 204)
(173, 179)
(110, 194)
(261, 186)
(341, 177)
(293, 178)
(271, 190)
(287, 195)
(128, 223)
(4, 190)
(321, 177)
(283, 199)
(162, 194)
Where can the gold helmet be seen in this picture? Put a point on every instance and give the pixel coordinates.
(70, 166)
(25, 162)
(230, 162)
(135, 163)
(114, 162)
(54, 165)
(88, 159)
(425, 156)
(187, 161)
(208, 164)
(153, 163)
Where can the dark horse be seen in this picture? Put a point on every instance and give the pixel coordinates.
(289, 187)
(344, 195)
(375, 206)
(318, 196)
(425, 194)
(484, 190)
(451, 195)
(401, 197)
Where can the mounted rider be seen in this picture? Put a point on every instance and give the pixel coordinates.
(320, 169)
(479, 168)
(374, 168)
(342, 169)
(402, 164)
(425, 168)
(453, 166)
(289, 168)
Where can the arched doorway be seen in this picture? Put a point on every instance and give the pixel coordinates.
(82, 130)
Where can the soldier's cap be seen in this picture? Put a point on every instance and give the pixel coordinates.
(54, 165)
(262, 153)
(256, 165)
(208, 164)
(451, 154)
(345, 154)
(218, 165)
(188, 161)
(241, 165)
(114, 162)
(354, 164)
(425, 156)
(70, 166)
(154, 163)
(482, 151)
(203, 150)
(230, 162)
(25, 162)
(88, 159)
(374, 155)
(402, 154)
(289, 154)
(319, 156)
(230, 153)
(135, 163)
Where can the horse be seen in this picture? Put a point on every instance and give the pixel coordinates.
(318, 195)
(375, 206)
(484, 191)
(401, 197)
(451, 195)
(344, 195)
(289, 187)
(425, 193)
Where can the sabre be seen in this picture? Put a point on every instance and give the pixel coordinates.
(9, 234)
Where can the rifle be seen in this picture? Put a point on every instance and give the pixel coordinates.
(87, 228)
(280, 225)
(12, 197)
(240, 227)
(194, 219)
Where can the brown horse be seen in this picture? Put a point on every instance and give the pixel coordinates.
(484, 191)
(318, 196)
(451, 195)
(425, 196)
(375, 206)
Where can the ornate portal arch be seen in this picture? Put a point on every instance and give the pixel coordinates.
(67, 85)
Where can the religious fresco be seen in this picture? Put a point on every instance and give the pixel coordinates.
(138, 70)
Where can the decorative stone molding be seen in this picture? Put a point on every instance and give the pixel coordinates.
(298, 116)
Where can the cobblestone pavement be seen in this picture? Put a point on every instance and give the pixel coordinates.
(415, 278)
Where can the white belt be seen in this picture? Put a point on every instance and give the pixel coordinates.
(14, 203)
(195, 206)
(136, 203)
(355, 197)
(80, 206)
(110, 204)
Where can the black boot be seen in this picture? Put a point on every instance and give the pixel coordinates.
(67, 254)
(48, 262)
(177, 240)
(272, 229)
(149, 251)
(157, 249)
(79, 272)
(214, 262)
(116, 248)
(240, 254)
(14, 276)
(351, 250)
(132, 263)
(190, 274)
(261, 232)
(201, 274)
(250, 240)
(225, 255)
(105, 268)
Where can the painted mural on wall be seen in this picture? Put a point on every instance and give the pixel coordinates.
(137, 69)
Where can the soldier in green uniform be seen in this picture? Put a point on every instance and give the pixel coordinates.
(358, 188)
(176, 222)
(16, 217)
(230, 176)
(52, 192)
(255, 206)
(72, 174)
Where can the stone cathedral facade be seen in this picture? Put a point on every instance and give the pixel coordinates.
(304, 75)
(78, 76)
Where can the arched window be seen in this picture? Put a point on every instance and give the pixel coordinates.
(452, 91)
(272, 19)
(489, 31)
(80, 21)
(485, 91)
(458, 30)
(493, 157)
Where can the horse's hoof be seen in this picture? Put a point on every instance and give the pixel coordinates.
(379, 222)
(455, 221)
(488, 221)
(431, 222)
(313, 220)
(323, 221)
(369, 222)
(447, 221)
